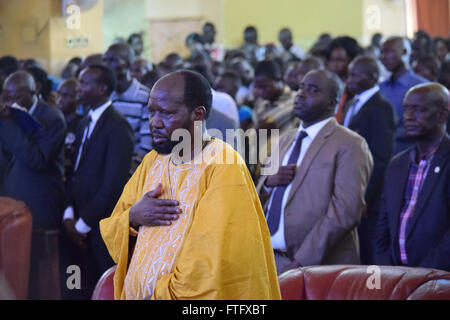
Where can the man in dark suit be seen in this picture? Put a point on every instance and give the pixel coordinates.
(101, 165)
(34, 164)
(371, 116)
(413, 228)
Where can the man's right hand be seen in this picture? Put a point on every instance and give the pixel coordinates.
(284, 176)
(4, 110)
(151, 211)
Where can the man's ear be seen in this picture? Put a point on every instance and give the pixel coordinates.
(199, 114)
(103, 89)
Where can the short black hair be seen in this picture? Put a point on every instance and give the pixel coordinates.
(197, 90)
(41, 77)
(195, 37)
(106, 77)
(250, 29)
(134, 35)
(8, 65)
(431, 62)
(269, 69)
(349, 44)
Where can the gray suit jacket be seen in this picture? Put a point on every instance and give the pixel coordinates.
(326, 200)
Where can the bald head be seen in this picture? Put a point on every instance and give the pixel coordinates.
(394, 53)
(66, 99)
(332, 82)
(425, 112)
(20, 79)
(19, 88)
(193, 89)
(123, 50)
(363, 74)
(434, 94)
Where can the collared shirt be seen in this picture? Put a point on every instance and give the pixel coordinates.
(361, 100)
(278, 239)
(417, 174)
(33, 106)
(394, 91)
(132, 104)
(95, 115)
(224, 103)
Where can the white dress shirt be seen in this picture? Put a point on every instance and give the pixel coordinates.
(225, 103)
(95, 115)
(278, 240)
(361, 99)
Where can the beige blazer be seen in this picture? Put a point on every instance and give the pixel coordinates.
(326, 200)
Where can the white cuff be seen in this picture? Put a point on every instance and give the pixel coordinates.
(69, 213)
(81, 226)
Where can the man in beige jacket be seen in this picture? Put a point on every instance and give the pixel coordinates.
(315, 201)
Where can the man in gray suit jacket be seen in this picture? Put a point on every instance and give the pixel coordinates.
(315, 201)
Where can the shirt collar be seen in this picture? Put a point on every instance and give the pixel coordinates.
(97, 113)
(403, 79)
(314, 130)
(33, 106)
(364, 96)
(413, 153)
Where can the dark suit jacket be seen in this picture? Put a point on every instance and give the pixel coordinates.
(35, 167)
(428, 231)
(95, 187)
(375, 123)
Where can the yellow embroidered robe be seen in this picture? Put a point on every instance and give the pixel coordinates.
(219, 248)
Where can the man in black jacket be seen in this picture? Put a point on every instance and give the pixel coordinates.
(104, 144)
(413, 228)
(33, 164)
(371, 116)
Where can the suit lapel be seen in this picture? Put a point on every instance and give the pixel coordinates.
(439, 161)
(363, 110)
(95, 133)
(313, 149)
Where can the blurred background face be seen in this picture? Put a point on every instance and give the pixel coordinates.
(89, 91)
(117, 63)
(291, 77)
(266, 88)
(422, 70)
(137, 45)
(209, 33)
(338, 62)
(391, 55)
(250, 36)
(66, 99)
(140, 67)
(285, 39)
(441, 50)
(358, 79)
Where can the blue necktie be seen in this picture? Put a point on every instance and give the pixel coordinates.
(273, 219)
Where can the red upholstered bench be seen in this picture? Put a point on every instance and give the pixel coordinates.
(15, 245)
(354, 282)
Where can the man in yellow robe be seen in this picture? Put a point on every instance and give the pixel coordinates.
(189, 225)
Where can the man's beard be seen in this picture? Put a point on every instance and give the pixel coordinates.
(166, 147)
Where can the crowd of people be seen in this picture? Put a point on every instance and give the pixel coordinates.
(363, 174)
